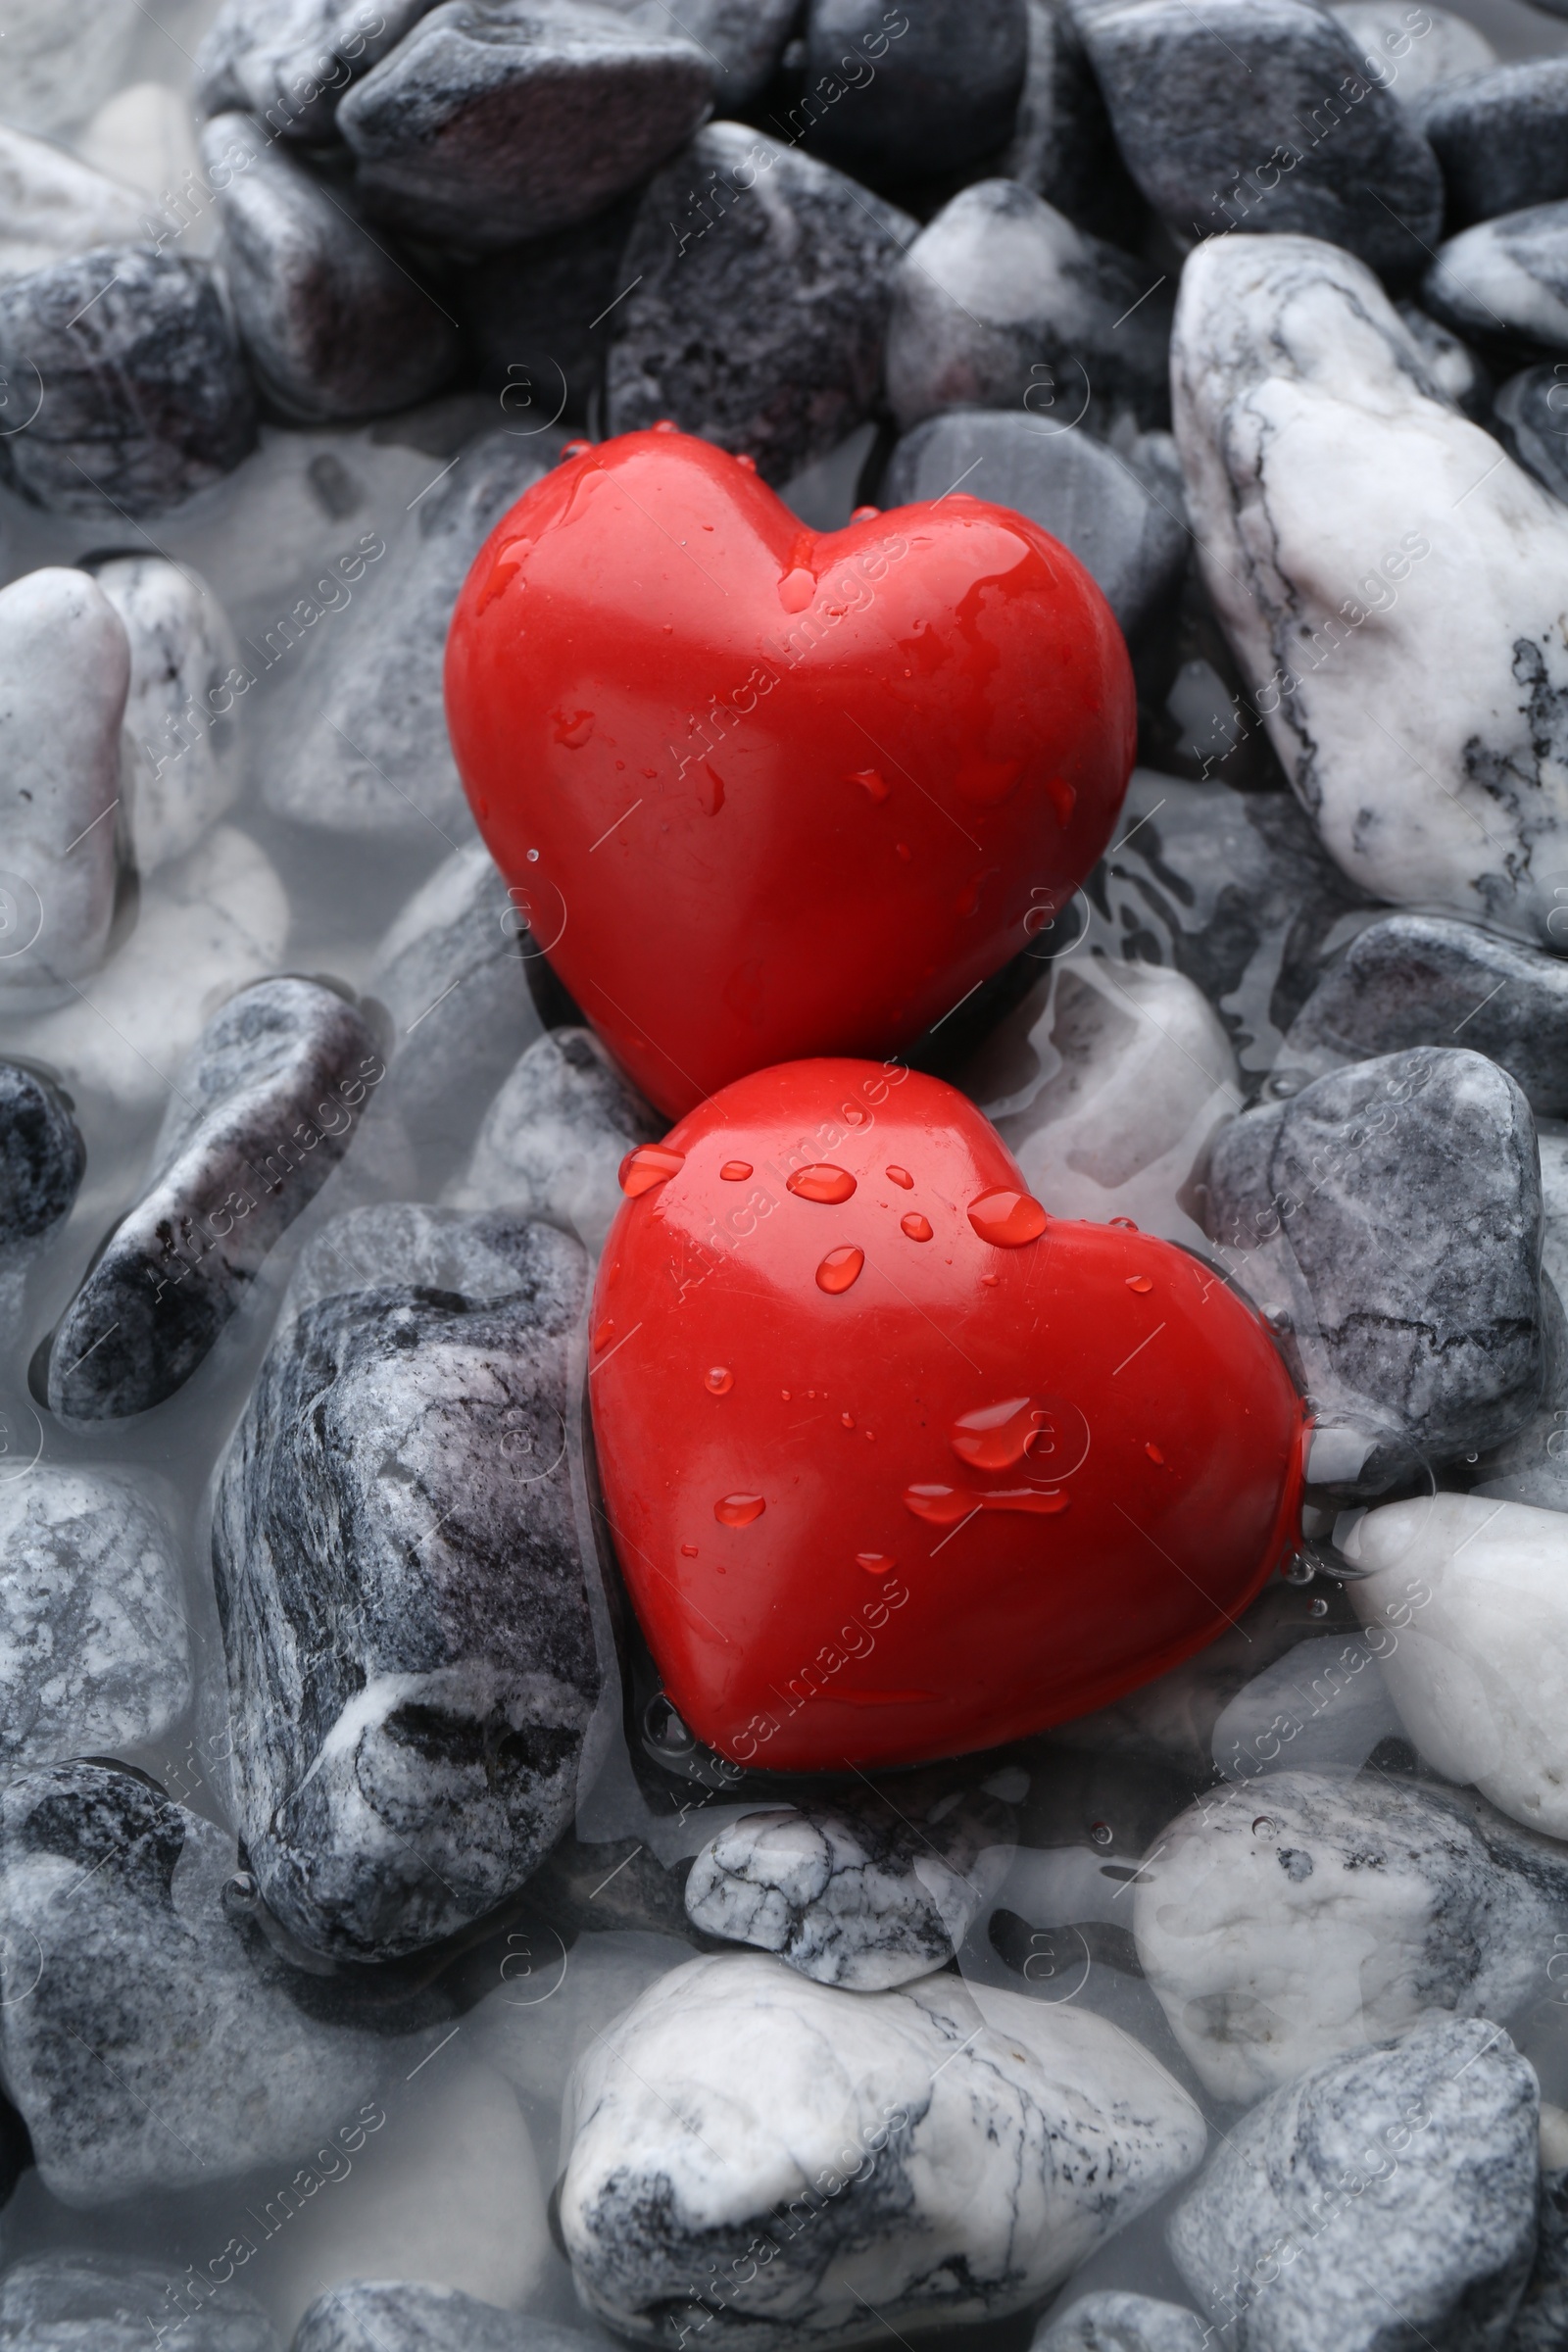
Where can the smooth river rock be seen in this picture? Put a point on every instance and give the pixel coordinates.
(388, 2315)
(1506, 278)
(185, 766)
(1499, 136)
(66, 2301)
(910, 95)
(1111, 2321)
(289, 62)
(42, 1161)
(52, 204)
(552, 1142)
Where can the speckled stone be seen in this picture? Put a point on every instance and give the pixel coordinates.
(413, 1669)
(186, 763)
(936, 96)
(743, 40)
(1500, 137)
(1540, 2323)
(289, 62)
(1388, 2196)
(262, 1110)
(373, 2315)
(148, 397)
(52, 204)
(42, 1160)
(59, 64)
(1409, 50)
(90, 2302)
(552, 1142)
(1109, 2321)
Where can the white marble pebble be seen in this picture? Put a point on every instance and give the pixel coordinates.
(1473, 1597)
(1506, 278)
(183, 756)
(1392, 590)
(52, 204)
(62, 61)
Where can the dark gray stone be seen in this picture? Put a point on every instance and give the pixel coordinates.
(147, 396)
(376, 2316)
(42, 1157)
(1506, 276)
(1453, 364)
(1408, 49)
(1257, 115)
(1423, 980)
(335, 325)
(289, 62)
(1278, 2243)
(1001, 303)
(1061, 144)
(1389, 1217)
(262, 1110)
(1540, 2321)
(1134, 542)
(759, 323)
(935, 96)
(743, 40)
(1500, 136)
(149, 2043)
(1108, 2321)
(552, 1142)
(88, 2302)
(499, 120)
(1529, 417)
(862, 1890)
(534, 318)
(411, 1653)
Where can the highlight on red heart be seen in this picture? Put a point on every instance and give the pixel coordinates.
(898, 1466)
(768, 792)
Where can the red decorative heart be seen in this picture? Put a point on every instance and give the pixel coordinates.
(764, 791)
(898, 1466)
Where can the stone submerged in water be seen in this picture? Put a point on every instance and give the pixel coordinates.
(376, 2316)
(42, 1161)
(90, 2302)
(264, 1109)
(412, 1662)
(969, 2146)
(1108, 2321)
(186, 763)
(552, 1142)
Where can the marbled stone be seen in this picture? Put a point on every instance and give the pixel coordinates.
(149, 2043)
(60, 63)
(263, 1108)
(743, 40)
(1506, 278)
(94, 1652)
(494, 122)
(412, 1670)
(1389, 1216)
(1453, 366)
(374, 2317)
(1388, 2197)
(911, 99)
(1257, 113)
(760, 323)
(358, 733)
(1327, 1701)
(335, 326)
(1133, 541)
(1061, 144)
(91, 2302)
(1314, 440)
(147, 400)
(1308, 1913)
(552, 1142)
(1424, 980)
(941, 2153)
(186, 763)
(1001, 303)
(289, 62)
(1500, 137)
(52, 206)
(1474, 1592)
(1109, 2321)
(64, 672)
(866, 1893)
(42, 1161)
(1530, 417)
(1408, 49)
(1541, 2321)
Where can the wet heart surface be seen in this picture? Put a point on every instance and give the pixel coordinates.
(896, 1464)
(763, 791)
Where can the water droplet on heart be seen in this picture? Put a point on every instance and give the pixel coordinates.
(996, 1436)
(572, 727)
(823, 1181)
(848, 1420)
(864, 513)
(739, 1510)
(904, 851)
(735, 1171)
(1042, 1502)
(797, 589)
(968, 897)
(786, 1393)
(1153, 1452)
(917, 1228)
(748, 464)
(688, 1551)
(901, 1178)
(1318, 1607)
(1063, 799)
(720, 1380)
(1101, 1832)
(605, 1333)
(648, 1165)
(938, 1506)
(871, 781)
(711, 790)
(533, 857)
(1125, 1223)
(988, 782)
(665, 424)
(1143, 1284)
(840, 1269)
(1007, 1220)
(574, 449)
(876, 1563)
(991, 1281)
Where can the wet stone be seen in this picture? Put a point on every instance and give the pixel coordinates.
(90, 2302)
(940, 95)
(412, 1666)
(1498, 135)
(1108, 2321)
(552, 1142)
(383, 2317)
(42, 1161)
(289, 62)
(185, 760)
(262, 1110)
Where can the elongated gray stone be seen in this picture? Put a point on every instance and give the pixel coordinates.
(552, 1142)
(383, 2315)
(289, 62)
(185, 765)
(91, 2302)
(263, 1108)
(1061, 144)
(908, 95)
(411, 1665)
(52, 204)
(1498, 135)
(42, 1161)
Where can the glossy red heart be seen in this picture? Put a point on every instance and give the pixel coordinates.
(764, 792)
(897, 1466)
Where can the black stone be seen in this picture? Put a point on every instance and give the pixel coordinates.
(911, 104)
(534, 316)
(289, 62)
(42, 1156)
(1062, 145)
(1500, 136)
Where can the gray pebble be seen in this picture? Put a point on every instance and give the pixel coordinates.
(935, 97)
(89, 2302)
(185, 765)
(1408, 49)
(289, 62)
(1452, 364)
(1108, 2321)
(743, 40)
(493, 122)
(1391, 1215)
(1500, 137)
(1001, 303)
(1508, 276)
(52, 204)
(760, 322)
(553, 1141)
(148, 398)
(335, 325)
(1255, 115)
(1061, 144)
(1540, 2323)
(42, 1158)
(375, 2316)
(534, 316)
(1529, 417)
(1385, 2198)
(263, 1108)
(117, 1942)
(1134, 542)
(412, 1658)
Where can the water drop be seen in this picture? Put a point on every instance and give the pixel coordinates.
(823, 1181)
(748, 464)
(872, 782)
(991, 1282)
(1141, 1283)
(1153, 1452)
(1318, 1607)
(735, 1171)
(242, 1892)
(848, 1420)
(665, 424)
(1101, 1832)
(968, 897)
(604, 1335)
(938, 1506)
(797, 589)
(840, 1269)
(1007, 1220)
(1041, 1503)
(719, 1381)
(901, 1178)
(710, 790)
(1063, 799)
(688, 1551)
(1265, 1826)
(996, 1436)
(574, 449)
(572, 727)
(785, 1394)
(648, 1165)
(865, 513)
(917, 1228)
(1125, 1223)
(739, 1510)
(533, 857)
(876, 1563)
(903, 850)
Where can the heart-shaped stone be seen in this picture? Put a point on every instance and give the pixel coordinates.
(761, 791)
(896, 1465)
